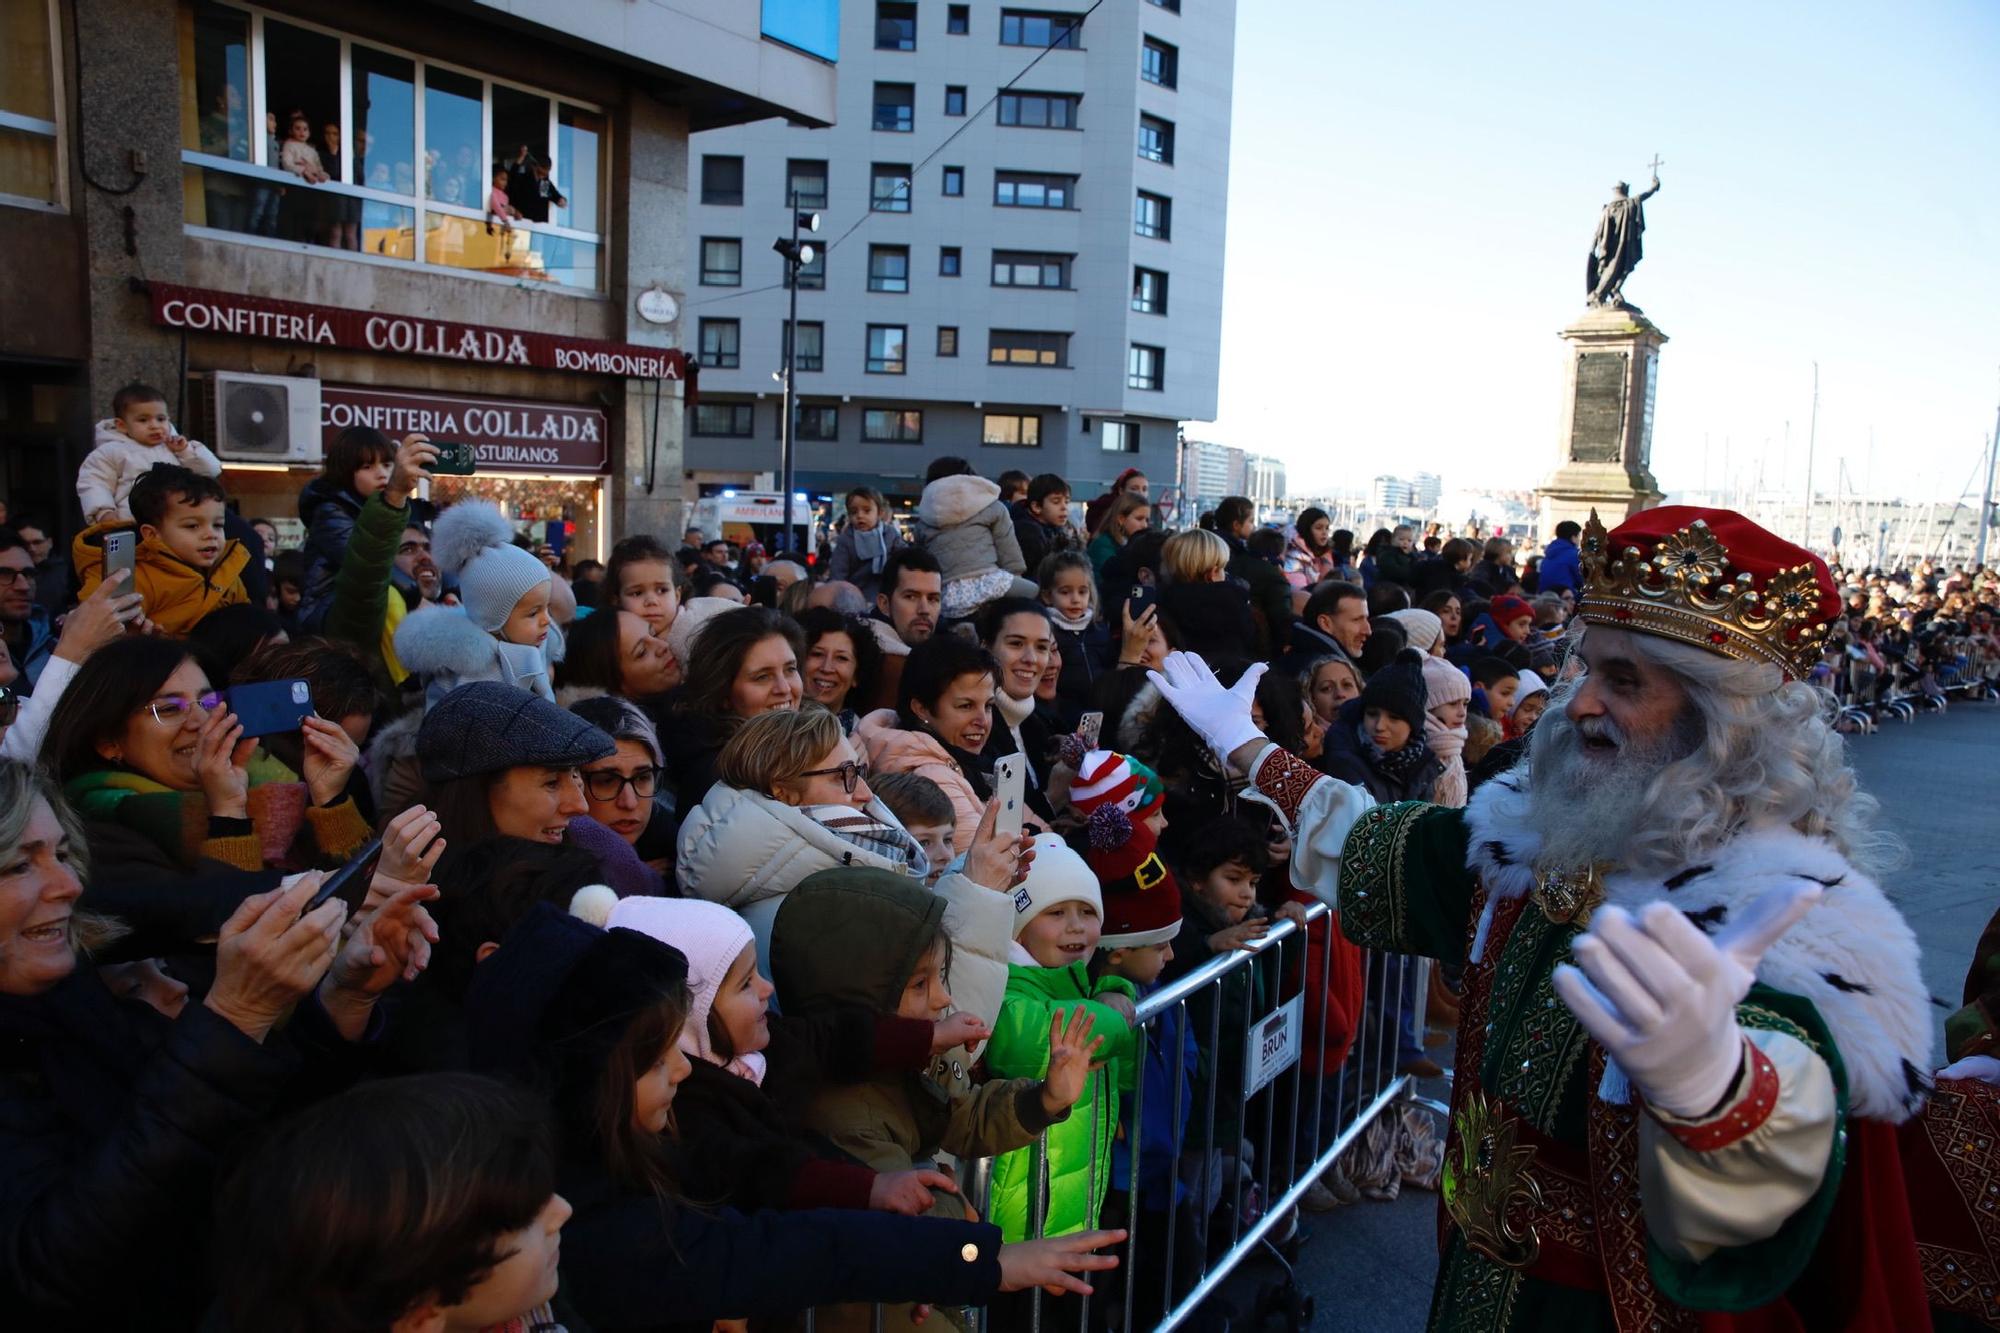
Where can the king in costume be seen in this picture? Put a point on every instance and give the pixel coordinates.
(1690, 1029)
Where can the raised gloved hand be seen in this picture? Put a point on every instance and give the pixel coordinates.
(1220, 716)
(1661, 997)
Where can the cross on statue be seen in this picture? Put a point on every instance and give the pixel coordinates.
(1656, 164)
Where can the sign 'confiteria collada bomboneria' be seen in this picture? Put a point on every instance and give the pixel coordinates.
(202, 310)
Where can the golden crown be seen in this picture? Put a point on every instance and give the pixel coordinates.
(1688, 590)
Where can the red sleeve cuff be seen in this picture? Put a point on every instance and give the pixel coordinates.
(1285, 779)
(901, 1043)
(1743, 1117)
(824, 1184)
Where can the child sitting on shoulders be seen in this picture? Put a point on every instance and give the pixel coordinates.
(865, 544)
(135, 438)
(502, 630)
(962, 522)
(185, 566)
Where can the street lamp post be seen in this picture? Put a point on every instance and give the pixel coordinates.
(797, 256)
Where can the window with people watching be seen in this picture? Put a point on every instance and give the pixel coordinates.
(299, 134)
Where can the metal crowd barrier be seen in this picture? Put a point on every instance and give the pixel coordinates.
(1292, 1124)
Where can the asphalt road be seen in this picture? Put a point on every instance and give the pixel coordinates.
(1369, 1267)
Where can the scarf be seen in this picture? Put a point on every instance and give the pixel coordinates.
(863, 829)
(1013, 712)
(1448, 744)
(1396, 765)
(1077, 626)
(871, 548)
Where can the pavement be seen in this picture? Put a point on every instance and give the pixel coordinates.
(1369, 1267)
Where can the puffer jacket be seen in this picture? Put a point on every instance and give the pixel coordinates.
(329, 513)
(891, 749)
(116, 460)
(1079, 1150)
(177, 594)
(962, 522)
(852, 939)
(748, 852)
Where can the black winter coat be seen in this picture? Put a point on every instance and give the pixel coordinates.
(633, 1261)
(115, 1123)
(1212, 620)
(1349, 761)
(1086, 654)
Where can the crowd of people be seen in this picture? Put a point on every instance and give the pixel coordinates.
(668, 907)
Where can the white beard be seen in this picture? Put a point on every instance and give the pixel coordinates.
(1586, 804)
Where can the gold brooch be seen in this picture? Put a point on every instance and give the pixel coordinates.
(1568, 897)
(1486, 1179)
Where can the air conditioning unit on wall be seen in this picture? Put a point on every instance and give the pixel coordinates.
(260, 418)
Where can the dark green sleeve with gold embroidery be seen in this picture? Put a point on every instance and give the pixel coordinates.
(1404, 885)
(1743, 1277)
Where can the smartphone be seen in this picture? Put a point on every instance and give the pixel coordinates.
(270, 707)
(350, 882)
(456, 458)
(1142, 597)
(1010, 780)
(1089, 728)
(121, 551)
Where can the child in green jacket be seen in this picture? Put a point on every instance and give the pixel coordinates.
(1058, 918)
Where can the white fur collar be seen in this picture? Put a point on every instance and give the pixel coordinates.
(1852, 956)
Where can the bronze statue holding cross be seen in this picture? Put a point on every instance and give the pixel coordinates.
(1617, 248)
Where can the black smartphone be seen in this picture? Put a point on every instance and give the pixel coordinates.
(1141, 598)
(350, 882)
(456, 458)
(270, 707)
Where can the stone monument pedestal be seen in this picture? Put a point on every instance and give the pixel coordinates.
(1606, 433)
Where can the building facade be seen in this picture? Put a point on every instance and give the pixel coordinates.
(464, 220)
(1022, 256)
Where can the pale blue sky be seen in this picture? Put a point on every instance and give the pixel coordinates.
(1414, 187)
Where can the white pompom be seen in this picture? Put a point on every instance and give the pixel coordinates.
(593, 903)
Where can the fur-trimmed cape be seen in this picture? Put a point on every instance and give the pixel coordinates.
(1852, 955)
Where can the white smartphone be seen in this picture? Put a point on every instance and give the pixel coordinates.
(1010, 778)
(1088, 728)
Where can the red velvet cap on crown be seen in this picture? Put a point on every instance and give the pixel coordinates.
(1711, 578)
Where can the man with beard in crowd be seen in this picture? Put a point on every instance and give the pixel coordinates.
(1691, 1018)
(906, 614)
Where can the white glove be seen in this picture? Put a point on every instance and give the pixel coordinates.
(1982, 1067)
(1661, 997)
(1220, 716)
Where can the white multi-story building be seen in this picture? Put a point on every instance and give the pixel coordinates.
(1024, 216)
(1391, 495)
(1264, 479)
(1425, 490)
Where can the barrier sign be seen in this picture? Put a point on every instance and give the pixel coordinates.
(1274, 1046)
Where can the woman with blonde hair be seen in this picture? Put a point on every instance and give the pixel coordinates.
(1210, 610)
(791, 798)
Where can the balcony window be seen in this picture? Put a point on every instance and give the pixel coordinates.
(1149, 291)
(1018, 430)
(896, 107)
(721, 344)
(1027, 347)
(805, 182)
(895, 25)
(1153, 215)
(1039, 111)
(812, 344)
(1026, 268)
(889, 425)
(886, 348)
(347, 169)
(888, 268)
(721, 261)
(1025, 27)
(889, 188)
(1160, 63)
(721, 179)
(1022, 189)
(735, 421)
(1156, 139)
(1146, 367)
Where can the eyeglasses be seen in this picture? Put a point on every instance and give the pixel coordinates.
(606, 783)
(170, 710)
(850, 774)
(8, 574)
(10, 706)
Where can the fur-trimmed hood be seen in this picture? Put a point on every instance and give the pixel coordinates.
(952, 500)
(1852, 955)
